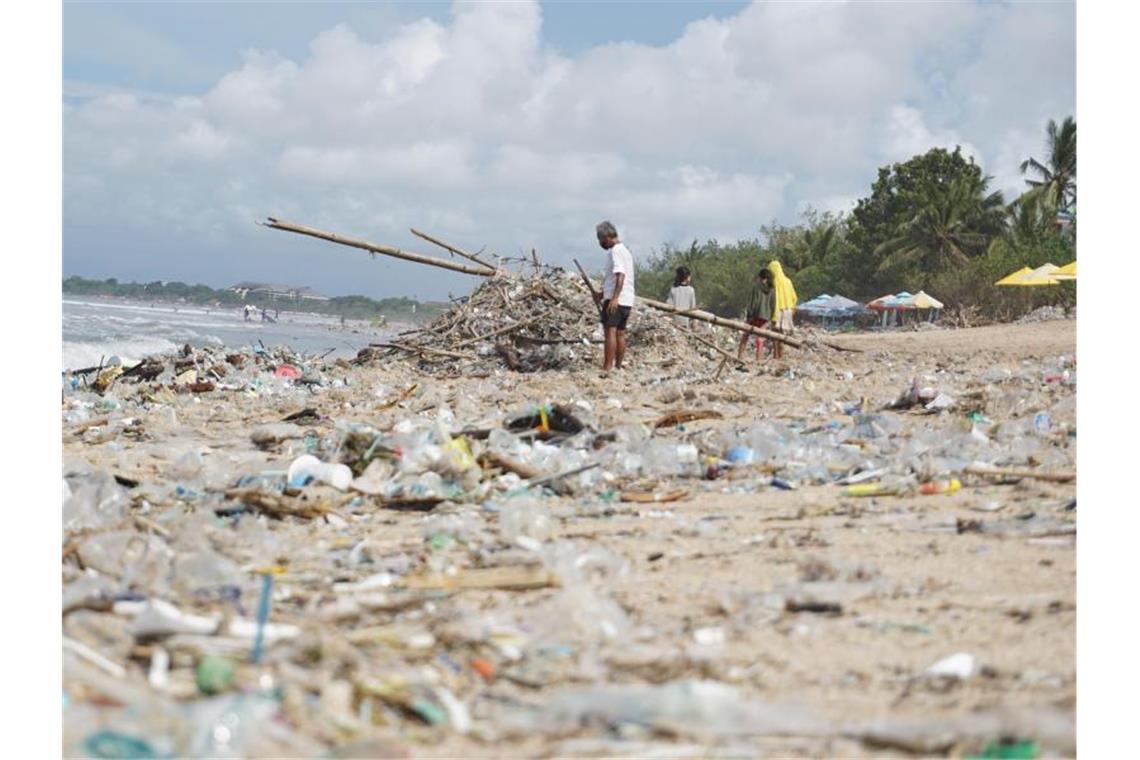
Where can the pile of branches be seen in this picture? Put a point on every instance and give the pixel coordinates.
(527, 323)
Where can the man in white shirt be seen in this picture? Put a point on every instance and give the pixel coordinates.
(617, 296)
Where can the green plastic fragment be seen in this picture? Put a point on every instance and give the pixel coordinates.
(1020, 750)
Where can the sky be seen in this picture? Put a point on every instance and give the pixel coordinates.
(516, 125)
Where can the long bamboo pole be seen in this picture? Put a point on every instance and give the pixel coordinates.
(704, 316)
(419, 258)
(452, 248)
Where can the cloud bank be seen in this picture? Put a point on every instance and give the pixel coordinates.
(480, 131)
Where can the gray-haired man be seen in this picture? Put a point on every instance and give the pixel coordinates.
(617, 297)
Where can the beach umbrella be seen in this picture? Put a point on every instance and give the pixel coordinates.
(1041, 276)
(891, 303)
(815, 304)
(921, 300)
(842, 305)
(1011, 279)
(1067, 272)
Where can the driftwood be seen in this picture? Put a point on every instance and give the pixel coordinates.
(419, 258)
(504, 462)
(682, 416)
(650, 497)
(712, 319)
(500, 331)
(461, 316)
(425, 350)
(1020, 472)
(510, 577)
(453, 249)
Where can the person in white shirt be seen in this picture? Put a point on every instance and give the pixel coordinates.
(683, 296)
(617, 297)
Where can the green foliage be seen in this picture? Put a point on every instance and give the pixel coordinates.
(930, 223)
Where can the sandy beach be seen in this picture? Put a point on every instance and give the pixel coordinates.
(739, 619)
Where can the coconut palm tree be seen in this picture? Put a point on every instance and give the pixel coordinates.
(1056, 183)
(820, 242)
(952, 224)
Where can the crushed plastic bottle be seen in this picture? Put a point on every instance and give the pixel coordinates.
(525, 516)
(93, 501)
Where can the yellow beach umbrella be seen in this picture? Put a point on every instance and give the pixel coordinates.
(1039, 277)
(1011, 279)
(1067, 272)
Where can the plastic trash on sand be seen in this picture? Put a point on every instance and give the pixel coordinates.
(307, 467)
(93, 501)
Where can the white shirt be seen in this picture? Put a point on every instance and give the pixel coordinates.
(685, 298)
(619, 260)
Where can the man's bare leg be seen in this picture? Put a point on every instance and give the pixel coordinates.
(611, 348)
(619, 352)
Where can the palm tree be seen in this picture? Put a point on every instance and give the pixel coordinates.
(952, 224)
(820, 242)
(1056, 185)
(1028, 222)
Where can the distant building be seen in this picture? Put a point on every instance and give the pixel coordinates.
(271, 292)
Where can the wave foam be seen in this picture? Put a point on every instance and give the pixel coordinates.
(77, 355)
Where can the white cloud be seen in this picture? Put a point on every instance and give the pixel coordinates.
(422, 164)
(905, 135)
(477, 126)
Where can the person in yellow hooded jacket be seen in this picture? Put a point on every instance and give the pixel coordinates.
(784, 307)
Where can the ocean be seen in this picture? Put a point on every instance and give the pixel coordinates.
(99, 329)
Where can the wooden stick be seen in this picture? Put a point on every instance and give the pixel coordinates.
(419, 258)
(500, 331)
(559, 475)
(586, 279)
(454, 249)
(717, 348)
(504, 462)
(704, 316)
(426, 350)
(682, 416)
(1020, 472)
(593, 293)
(510, 577)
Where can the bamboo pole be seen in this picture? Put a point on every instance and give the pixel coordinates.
(419, 258)
(1019, 472)
(704, 316)
(452, 248)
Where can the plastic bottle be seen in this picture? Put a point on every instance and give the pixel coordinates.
(940, 486)
(307, 466)
(525, 516)
(870, 489)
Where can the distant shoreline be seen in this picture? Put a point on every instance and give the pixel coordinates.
(393, 324)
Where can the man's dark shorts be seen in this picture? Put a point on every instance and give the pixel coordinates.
(617, 319)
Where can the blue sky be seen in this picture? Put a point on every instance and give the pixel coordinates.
(516, 125)
(185, 46)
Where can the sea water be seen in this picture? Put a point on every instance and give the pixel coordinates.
(95, 330)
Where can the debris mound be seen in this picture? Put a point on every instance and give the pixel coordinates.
(530, 323)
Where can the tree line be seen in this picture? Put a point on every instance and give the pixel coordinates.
(353, 307)
(930, 223)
